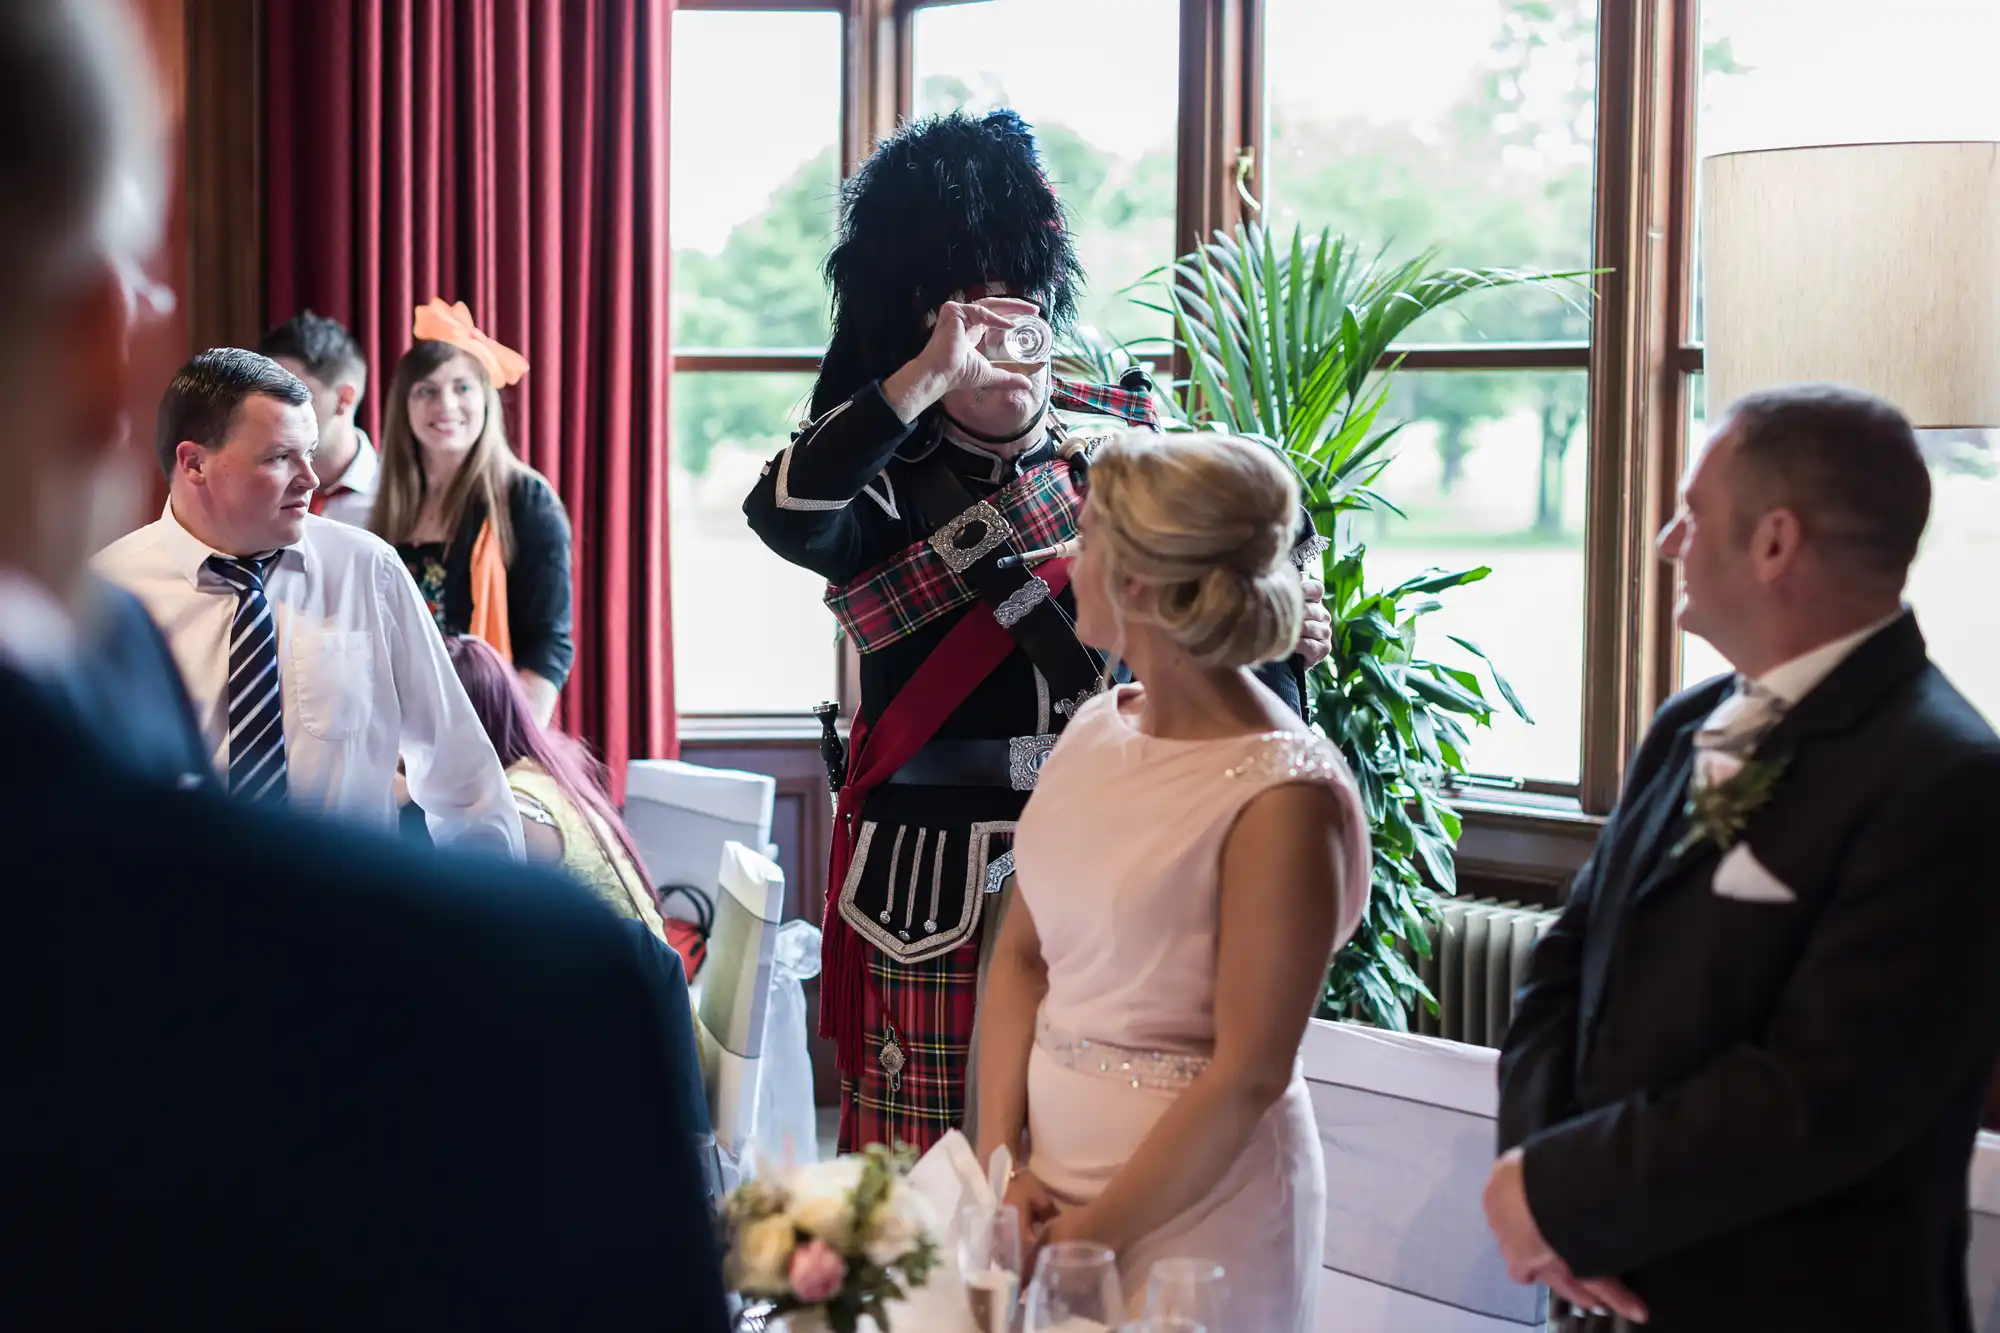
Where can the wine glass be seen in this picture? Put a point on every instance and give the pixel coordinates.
(1187, 1294)
(1075, 1290)
(989, 1259)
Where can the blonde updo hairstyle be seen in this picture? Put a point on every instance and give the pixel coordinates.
(1197, 530)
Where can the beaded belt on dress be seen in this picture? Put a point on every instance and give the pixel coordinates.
(1171, 1071)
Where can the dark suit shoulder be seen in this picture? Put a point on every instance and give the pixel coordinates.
(297, 1039)
(1695, 702)
(1689, 706)
(1943, 718)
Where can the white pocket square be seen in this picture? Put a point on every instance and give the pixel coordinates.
(1743, 877)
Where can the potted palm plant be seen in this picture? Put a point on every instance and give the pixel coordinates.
(1291, 345)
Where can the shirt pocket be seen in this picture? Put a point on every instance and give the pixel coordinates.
(335, 671)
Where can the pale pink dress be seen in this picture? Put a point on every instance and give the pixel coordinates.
(1118, 861)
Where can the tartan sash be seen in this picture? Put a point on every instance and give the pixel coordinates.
(972, 650)
(914, 588)
(1111, 400)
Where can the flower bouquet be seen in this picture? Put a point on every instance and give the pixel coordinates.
(831, 1242)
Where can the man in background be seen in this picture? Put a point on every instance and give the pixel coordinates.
(256, 1073)
(322, 353)
(311, 658)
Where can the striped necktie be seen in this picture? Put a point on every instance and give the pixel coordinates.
(255, 764)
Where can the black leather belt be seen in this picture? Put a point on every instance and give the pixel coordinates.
(1014, 764)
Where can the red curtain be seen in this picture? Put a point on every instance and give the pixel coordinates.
(511, 154)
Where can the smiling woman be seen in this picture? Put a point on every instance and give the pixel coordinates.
(482, 533)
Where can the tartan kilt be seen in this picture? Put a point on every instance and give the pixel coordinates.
(932, 1004)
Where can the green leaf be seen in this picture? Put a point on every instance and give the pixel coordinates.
(1499, 681)
(1438, 580)
(1436, 856)
(1446, 694)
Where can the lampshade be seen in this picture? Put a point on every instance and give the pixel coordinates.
(1871, 265)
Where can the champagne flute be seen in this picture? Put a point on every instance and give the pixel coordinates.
(989, 1258)
(1075, 1290)
(1186, 1294)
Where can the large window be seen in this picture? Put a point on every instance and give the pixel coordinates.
(1491, 472)
(755, 184)
(1482, 151)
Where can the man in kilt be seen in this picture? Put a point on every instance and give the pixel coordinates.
(924, 465)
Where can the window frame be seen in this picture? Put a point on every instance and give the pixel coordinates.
(1639, 355)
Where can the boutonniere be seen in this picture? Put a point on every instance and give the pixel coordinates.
(1724, 792)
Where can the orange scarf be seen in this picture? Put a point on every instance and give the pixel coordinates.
(489, 593)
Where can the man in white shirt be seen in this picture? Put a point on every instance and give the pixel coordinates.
(307, 651)
(1744, 1075)
(323, 354)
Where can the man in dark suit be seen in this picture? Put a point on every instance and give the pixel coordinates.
(256, 1072)
(125, 687)
(1744, 1075)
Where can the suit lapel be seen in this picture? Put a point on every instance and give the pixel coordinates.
(1834, 706)
(1634, 857)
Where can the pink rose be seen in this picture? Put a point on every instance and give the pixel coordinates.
(1714, 768)
(817, 1272)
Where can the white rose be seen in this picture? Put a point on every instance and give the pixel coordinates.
(903, 1219)
(823, 1200)
(764, 1256)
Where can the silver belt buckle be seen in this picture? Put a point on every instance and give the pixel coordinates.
(969, 538)
(1025, 757)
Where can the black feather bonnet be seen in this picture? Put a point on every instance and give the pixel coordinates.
(945, 204)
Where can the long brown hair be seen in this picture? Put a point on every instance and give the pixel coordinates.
(488, 471)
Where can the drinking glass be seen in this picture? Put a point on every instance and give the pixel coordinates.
(1075, 1290)
(989, 1258)
(1187, 1292)
(1024, 346)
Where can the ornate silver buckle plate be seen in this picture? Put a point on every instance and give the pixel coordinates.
(1025, 757)
(969, 538)
(1069, 707)
(1014, 609)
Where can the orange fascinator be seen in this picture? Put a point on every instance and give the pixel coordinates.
(453, 324)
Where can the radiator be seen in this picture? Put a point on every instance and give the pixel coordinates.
(1479, 957)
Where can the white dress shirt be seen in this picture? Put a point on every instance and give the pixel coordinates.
(350, 497)
(1794, 680)
(363, 674)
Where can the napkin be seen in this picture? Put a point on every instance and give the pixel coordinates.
(946, 1178)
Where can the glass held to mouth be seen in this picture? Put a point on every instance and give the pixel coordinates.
(1024, 345)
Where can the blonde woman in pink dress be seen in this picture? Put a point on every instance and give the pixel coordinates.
(1191, 860)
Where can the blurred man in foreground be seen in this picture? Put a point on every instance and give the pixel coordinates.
(255, 1073)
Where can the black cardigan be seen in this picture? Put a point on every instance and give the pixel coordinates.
(538, 587)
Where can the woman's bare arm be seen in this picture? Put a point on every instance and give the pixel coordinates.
(1016, 981)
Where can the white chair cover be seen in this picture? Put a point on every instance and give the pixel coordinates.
(680, 816)
(1407, 1127)
(736, 991)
